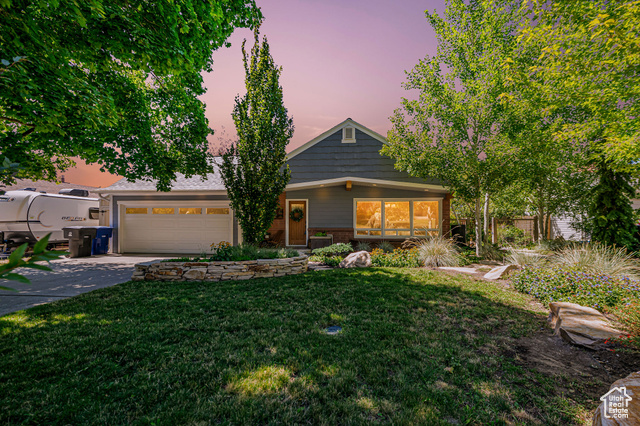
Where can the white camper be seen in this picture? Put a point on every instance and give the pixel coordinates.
(27, 216)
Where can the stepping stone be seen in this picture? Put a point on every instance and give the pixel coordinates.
(499, 272)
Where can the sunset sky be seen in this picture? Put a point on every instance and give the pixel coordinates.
(340, 58)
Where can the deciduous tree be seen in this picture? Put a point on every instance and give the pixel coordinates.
(254, 169)
(112, 82)
(453, 131)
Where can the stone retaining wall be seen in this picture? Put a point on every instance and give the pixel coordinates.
(219, 271)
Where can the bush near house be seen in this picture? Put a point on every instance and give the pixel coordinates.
(331, 255)
(399, 258)
(225, 252)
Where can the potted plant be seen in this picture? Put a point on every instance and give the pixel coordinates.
(320, 239)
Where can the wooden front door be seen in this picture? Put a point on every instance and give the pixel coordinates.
(298, 228)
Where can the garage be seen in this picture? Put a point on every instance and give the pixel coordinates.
(187, 227)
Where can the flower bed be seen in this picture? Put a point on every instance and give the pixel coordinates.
(219, 270)
(560, 284)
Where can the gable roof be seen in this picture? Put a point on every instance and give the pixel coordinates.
(345, 123)
(212, 182)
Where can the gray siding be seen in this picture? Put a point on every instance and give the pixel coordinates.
(118, 198)
(332, 207)
(330, 158)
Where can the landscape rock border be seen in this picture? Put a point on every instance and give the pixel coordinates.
(219, 271)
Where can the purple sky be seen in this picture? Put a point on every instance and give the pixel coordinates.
(340, 58)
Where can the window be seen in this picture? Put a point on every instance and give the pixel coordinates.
(163, 210)
(211, 210)
(397, 218)
(348, 135)
(135, 210)
(190, 210)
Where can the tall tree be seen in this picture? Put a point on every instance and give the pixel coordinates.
(254, 169)
(590, 59)
(453, 131)
(111, 82)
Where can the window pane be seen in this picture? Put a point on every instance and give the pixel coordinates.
(375, 232)
(163, 210)
(433, 233)
(190, 210)
(396, 215)
(390, 233)
(217, 210)
(419, 232)
(425, 214)
(404, 233)
(136, 210)
(368, 214)
(362, 232)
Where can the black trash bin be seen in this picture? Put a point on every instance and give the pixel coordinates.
(80, 240)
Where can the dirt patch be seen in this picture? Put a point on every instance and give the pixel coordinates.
(595, 370)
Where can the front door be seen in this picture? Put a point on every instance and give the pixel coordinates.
(297, 223)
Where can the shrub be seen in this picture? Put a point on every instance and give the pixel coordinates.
(334, 250)
(363, 246)
(492, 252)
(599, 258)
(224, 251)
(398, 258)
(438, 251)
(512, 235)
(520, 258)
(327, 260)
(562, 284)
(386, 247)
(629, 315)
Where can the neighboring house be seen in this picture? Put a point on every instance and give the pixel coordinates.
(340, 183)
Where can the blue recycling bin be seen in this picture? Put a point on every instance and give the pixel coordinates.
(100, 243)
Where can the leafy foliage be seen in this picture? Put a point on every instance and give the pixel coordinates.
(114, 83)
(337, 249)
(611, 216)
(254, 169)
(397, 258)
(562, 284)
(17, 260)
(454, 130)
(589, 57)
(225, 252)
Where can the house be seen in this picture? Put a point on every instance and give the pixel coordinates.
(340, 183)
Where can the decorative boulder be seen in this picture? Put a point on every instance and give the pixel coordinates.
(581, 325)
(621, 405)
(359, 259)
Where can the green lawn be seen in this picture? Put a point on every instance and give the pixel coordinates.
(417, 347)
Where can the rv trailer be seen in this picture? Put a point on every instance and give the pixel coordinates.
(27, 216)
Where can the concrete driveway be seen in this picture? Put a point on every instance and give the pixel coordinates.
(69, 278)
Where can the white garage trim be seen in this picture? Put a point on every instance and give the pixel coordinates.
(175, 224)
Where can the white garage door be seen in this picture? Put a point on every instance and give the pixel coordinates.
(174, 228)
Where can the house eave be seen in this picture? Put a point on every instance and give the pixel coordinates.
(366, 182)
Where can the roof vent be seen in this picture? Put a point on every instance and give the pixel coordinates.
(29, 189)
(348, 135)
(74, 192)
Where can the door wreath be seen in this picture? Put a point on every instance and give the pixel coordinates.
(296, 214)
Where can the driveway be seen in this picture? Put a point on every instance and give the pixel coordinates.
(69, 278)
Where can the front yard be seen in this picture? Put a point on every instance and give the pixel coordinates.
(417, 347)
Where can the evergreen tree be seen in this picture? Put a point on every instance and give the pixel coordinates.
(253, 169)
(611, 215)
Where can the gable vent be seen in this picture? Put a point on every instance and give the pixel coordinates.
(348, 135)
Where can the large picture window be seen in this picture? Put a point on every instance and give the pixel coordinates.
(387, 218)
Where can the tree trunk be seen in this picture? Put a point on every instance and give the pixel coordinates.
(541, 222)
(478, 227)
(485, 239)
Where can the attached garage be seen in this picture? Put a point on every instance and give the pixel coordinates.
(174, 227)
(187, 220)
